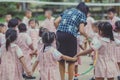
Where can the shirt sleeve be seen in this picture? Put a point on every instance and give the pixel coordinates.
(19, 52)
(56, 54)
(63, 13)
(3, 41)
(83, 19)
(117, 41)
(96, 44)
(29, 41)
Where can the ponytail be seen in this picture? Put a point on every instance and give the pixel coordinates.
(11, 36)
(7, 43)
(111, 36)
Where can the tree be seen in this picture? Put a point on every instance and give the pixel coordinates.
(7, 7)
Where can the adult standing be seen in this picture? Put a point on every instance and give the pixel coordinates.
(68, 24)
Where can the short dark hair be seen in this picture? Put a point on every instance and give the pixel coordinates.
(83, 8)
(12, 23)
(111, 10)
(22, 27)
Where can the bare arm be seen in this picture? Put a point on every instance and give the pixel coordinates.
(88, 51)
(22, 60)
(57, 21)
(67, 58)
(34, 66)
(81, 47)
(82, 31)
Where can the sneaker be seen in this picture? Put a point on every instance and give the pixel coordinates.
(92, 78)
(75, 78)
(118, 77)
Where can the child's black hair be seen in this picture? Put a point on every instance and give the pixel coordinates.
(83, 8)
(2, 25)
(11, 36)
(117, 25)
(111, 10)
(12, 23)
(36, 21)
(106, 29)
(22, 27)
(42, 30)
(47, 39)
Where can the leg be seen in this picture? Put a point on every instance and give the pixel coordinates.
(71, 68)
(110, 79)
(99, 78)
(76, 70)
(62, 70)
(119, 65)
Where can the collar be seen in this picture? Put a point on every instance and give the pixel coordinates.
(13, 45)
(105, 39)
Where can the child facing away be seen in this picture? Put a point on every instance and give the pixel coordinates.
(117, 35)
(41, 31)
(25, 43)
(11, 55)
(49, 21)
(112, 17)
(106, 65)
(2, 36)
(48, 59)
(13, 24)
(26, 18)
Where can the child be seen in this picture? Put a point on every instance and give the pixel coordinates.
(8, 17)
(28, 15)
(48, 58)
(33, 32)
(25, 43)
(41, 31)
(79, 46)
(112, 17)
(2, 36)
(88, 28)
(49, 21)
(11, 55)
(95, 34)
(106, 66)
(117, 35)
(13, 23)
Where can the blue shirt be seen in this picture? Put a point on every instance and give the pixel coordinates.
(71, 20)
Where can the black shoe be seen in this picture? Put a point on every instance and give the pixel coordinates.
(118, 77)
(28, 77)
(76, 78)
(92, 78)
(23, 75)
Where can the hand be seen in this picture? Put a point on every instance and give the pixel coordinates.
(74, 59)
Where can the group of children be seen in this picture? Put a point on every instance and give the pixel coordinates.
(20, 41)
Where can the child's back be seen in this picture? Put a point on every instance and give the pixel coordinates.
(9, 63)
(49, 68)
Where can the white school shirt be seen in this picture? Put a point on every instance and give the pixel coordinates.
(56, 54)
(18, 51)
(96, 44)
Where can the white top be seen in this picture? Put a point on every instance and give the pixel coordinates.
(25, 21)
(56, 54)
(96, 44)
(18, 51)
